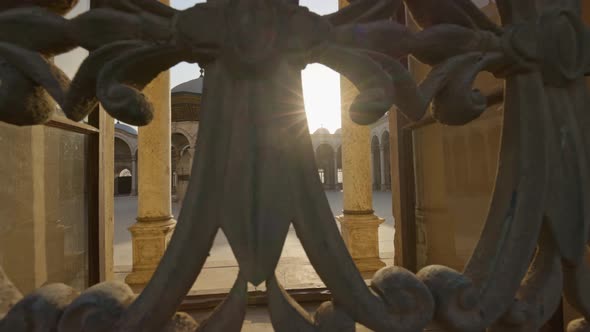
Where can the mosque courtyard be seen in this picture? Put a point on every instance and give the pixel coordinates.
(294, 269)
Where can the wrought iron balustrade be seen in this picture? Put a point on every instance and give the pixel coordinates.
(253, 51)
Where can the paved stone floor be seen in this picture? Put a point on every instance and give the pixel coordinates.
(257, 320)
(294, 269)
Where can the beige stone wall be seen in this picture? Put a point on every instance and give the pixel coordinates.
(455, 170)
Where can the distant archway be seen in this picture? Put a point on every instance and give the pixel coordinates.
(123, 164)
(183, 172)
(179, 144)
(179, 160)
(324, 156)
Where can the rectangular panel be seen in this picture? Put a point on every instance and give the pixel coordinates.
(44, 206)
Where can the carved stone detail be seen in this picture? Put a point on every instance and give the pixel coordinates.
(149, 240)
(361, 236)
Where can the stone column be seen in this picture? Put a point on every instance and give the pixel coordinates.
(359, 224)
(382, 159)
(155, 224)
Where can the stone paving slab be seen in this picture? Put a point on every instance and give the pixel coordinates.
(294, 269)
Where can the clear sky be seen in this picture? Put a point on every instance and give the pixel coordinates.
(321, 85)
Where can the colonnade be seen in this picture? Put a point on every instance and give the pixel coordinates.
(155, 223)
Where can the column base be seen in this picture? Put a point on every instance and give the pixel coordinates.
(149, 241)
(368, 266)
(361, 236)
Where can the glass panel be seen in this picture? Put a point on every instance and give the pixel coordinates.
(43, 206)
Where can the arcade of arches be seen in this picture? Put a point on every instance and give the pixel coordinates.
(328, 147)
(125, 160)
(328, 154)
(185, 100)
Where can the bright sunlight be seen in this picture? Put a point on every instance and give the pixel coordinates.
(321, 93)
(321, 85)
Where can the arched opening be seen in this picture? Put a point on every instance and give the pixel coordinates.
(183, 172)
(123, 182)
(324, 156)
(386, 161)
(123, 164)
(179, 172)
(376, 158)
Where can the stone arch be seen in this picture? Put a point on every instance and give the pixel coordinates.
(183, 172)
(177, 130)
(376, 161)
(179, 144)
(123, 156)
(131, 141)
(319, 141)
(123, 161)
(325, 158)
(386, 160)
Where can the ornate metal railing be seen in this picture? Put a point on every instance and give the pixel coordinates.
(253, 51)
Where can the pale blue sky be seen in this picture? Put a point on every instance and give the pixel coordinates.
(321, 86)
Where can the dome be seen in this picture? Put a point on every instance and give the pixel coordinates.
(322, 131)
(193, 86)
(126, 128)
(338, 131)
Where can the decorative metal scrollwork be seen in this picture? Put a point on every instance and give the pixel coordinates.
(253, 51)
